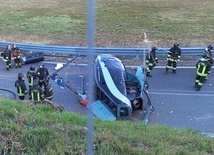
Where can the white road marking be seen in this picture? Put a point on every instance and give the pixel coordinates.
(210, 94)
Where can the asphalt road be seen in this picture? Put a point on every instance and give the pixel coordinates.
(176, 103)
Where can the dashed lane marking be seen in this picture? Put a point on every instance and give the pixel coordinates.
(183, 93)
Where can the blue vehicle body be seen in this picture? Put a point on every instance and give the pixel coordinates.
(119, 91)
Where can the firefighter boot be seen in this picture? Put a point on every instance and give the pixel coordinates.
(148, 74)
(167, 70)
(198, 88)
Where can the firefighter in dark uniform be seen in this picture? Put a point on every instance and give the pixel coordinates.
(31, 76)
(35, 92)
(151, 60)
(16, 55)
(48, 89)
(21, 87)
(7, 57)
(203, 68)
(174, 55)
(208, 51)
(43, 73)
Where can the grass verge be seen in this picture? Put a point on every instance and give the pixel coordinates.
(118, 22)
(41, 130)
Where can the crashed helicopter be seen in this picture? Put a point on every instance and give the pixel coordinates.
(118, 93)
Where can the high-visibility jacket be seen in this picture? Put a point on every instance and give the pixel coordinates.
(43, 73)
(36, 93)
(174, 54)
(7, 54)
(31, 76)
(16, 52)
(21, 87)
(151, 58)
(203, 67)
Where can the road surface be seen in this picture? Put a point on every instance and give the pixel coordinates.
(176, 103)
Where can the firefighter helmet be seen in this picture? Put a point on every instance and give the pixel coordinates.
(41, 65)
(154, 48)
(209, 47)
(176, 43)
(8, 47)
(20, 75)
(32, 68)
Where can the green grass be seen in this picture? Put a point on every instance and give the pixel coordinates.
(118, 22)
(40, 130)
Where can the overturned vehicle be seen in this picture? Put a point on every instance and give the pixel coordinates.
(118, 92)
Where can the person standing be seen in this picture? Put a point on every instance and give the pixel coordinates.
(203, 68)
(16, 55)
(43, 73)
(151, 60)
(21, 87)
(35, 92)
(208, 51)
(173, 57)
(48, 89)
(7, 57)
(31, 76)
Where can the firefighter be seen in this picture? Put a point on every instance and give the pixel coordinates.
(173, 57)
(151, 60)
(7, 57)
(21, 87)
(35, 92)
(43, 73)
(203, 68)
(16, 55)
(208, 51)
(48, 89)
(31, 76)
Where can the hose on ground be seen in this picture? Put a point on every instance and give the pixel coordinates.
(14, 95)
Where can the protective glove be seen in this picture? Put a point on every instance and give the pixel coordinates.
(167, 58)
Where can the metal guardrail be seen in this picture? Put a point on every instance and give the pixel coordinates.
(188, 51)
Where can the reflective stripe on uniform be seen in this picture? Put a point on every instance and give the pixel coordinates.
(20, 93)
(201, 70)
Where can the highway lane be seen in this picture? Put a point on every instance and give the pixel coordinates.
(176, 102)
